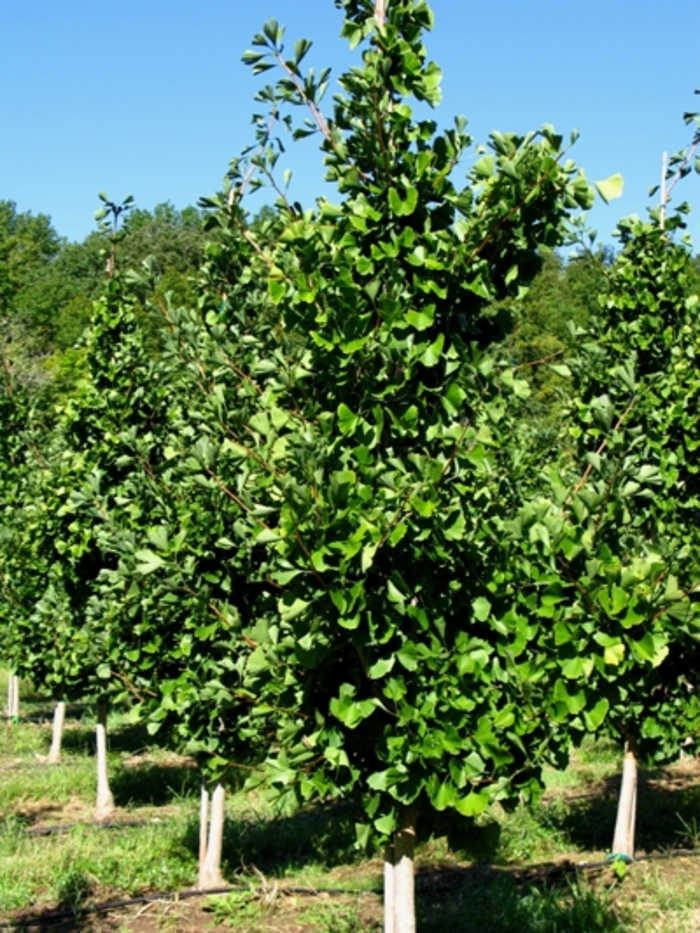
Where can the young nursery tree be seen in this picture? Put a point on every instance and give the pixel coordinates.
(409, 684)
(618, 545)
(54, 560)
(649, 327)
(180, 592)
(27, 448)
(342, 438)
(187, 603)
(47, 576)
(650, 315)
(14, 406)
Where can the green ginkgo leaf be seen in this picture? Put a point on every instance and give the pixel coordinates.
(610, 188)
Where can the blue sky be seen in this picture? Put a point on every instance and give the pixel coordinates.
(150, 97)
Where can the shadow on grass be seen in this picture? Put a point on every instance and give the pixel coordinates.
(69, 912)
(154, 784)
(319, 836)
(668, 814)
(491, 901)
(460, 900)
(79, 737)
(493, 907)
(143, 774)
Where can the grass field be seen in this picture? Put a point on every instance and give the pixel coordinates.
(298, 872)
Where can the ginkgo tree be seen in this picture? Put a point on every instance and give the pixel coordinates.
(15, 469)
(54, 550)
(649, 320)
(616, 540)
(307, 529)
(29, 451)
(640, 390)
(157, 499)
(52, 563)
(388, 451)
(340, 444)
(186, 602)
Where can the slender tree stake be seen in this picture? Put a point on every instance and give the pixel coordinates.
(105, 800)
(633, 813)
(203, 822)
(623, 841)
(8, 708)
(13, 697)
(380, 12)
(399, 877)
(59, 716)
(210, 851)
(389, 925)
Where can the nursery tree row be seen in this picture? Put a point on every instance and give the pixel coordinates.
(330, 534)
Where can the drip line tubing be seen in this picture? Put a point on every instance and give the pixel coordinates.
(66, 827)
(57, 916)
(64, 763)
(172, 896)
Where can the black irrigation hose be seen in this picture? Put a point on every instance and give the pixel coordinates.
(42, 831)
(57, 916)
(106, 907)
(39, 718)
(66, 827)
(174, 896)
(72, 761)
(652, 857)
(31, 765)
(30, 717)
(574, 867)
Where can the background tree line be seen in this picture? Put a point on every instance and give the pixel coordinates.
(48, 286)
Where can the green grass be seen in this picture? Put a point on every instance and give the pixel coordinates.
(88, 862)
(482, 887)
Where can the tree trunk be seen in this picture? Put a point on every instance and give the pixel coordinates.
(203, 823)
(380, 11)
(211, 843)
(59, 715)
(623, 841)
(105, 801)
(13, 697)
(399, 877)
(389, 923)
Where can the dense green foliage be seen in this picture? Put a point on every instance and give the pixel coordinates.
(390, 449)
(343, 489)
(48, 286)
(639, 384)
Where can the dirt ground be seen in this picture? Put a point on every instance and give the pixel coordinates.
(281, 913)
(272, 907)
